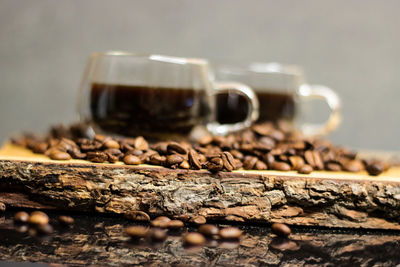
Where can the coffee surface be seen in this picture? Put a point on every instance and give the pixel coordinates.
(274, 106)
(132, 110)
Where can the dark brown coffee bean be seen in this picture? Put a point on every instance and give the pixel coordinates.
(313, 158)
(137, 215)
(198, 220)
(296, 162)
(205, 140)
(237, 154)
(277, 135)
(249, 163)
(157, 222)
(97, 156)
(175, 147)
(132, 160)
(160, 147)
(280, 166)
(309, 157)
(59, 155)
(44, 229)
(215, 164)
(268, 159)
(353, 166)
(332, 166)
(267, 142)
(99, 137)
(194, 239)
(262, 129)
(230, 233)
(194, 159)
(229, 159)
(305, 169)
(208, 230)
(260, 165)
(38, 217)
(2, 207)
(281, 229)
(111, 144)
(140, 143)
(77, 154)
(21, 217)
(174, 159)
(175, 224)
(227, 165)
(40, 147)
(375, 168)
(158, 160)
(158, 234)
(137, 231)
(66, 220)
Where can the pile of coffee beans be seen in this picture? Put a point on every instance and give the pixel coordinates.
(266, 146)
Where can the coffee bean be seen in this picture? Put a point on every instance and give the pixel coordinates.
(305, 169)
(249, 163)
(230, 233)
(353, 166)
(175, 147)
(184, 165)
(21, 217)
(158, 160)
(137, 215)
(40, 147)
(97, 156)
(44, 229)
(280, 166)
(205, 140)
(237, 154)
(174, 159)
(194, 239)
(208, 230)
(268, 159)
(158, 234)
(39, 218)
(111, 144)
(228, 157)
(132, 160)
(161, 147)
(297, 162)
(137, 231)
(59, 155)
(215, 165)
(227, 165)
(160, 221)
(374, 168)
(194, 159)
(141, 143)
(198, 220)
(175, 224)
(2, 207)
(66, 220)
(332, 166)
(281, 229)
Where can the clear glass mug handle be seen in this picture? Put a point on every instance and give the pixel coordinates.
(332, 99)
(216, 128)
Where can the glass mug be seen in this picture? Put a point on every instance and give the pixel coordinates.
(281, 91)
(155, 96)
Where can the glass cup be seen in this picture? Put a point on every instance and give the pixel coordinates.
(156, 96)
(282, 93)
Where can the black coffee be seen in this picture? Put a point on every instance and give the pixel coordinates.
(141, 110)
(274, 106)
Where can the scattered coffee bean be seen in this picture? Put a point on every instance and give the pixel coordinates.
(305, 169)
(281, 229)
(194, 239)
(97, 156)
(260, 165)
(132, 160)
(208, 230)
(21, 217)
(353, 166)
(174, 224)
(157, 234)
(44, 229)
(374, 168)
(297, 162)
(160, 221)
(111, 144)
(174, 159)
(332, 166)
(59, 155)
(140, 143)
(38, 218)
(2, 207)
(194, 159)
(198, 220)
(137, 231)
(230, 233)
(280, 166)
(137, 215)
(66, 220)
(249, 163)
(175, 147)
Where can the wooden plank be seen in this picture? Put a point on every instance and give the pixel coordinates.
(332, 199)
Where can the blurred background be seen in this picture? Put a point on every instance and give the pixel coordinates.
(351, 46)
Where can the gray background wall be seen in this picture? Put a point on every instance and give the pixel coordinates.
(352, 46)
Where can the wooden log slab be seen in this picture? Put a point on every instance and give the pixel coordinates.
(331, 199)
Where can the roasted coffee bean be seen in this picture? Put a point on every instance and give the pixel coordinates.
(313, 158)
(281, 229)
(237, 154)
(174, 147)
(260, 165)
(174, 159)
(277, 135)
(194, 239)
(280, 166)
(297, 162)
(59, 155)
(267, 142)
(227, 165)
(375, 168)
(38, 218)
(2, 207)
(198, 220)
(268, 159)
(40, 147)
(66, 220)
(135, 152)
(184, 165)
(208, 230)
(175, 224)
(45, 229)
(111, 158)
(137, 231)
(137, 215)
(111, 144)
(160, 147)
(97, 156)
(194, 159)
(230, 233)
(158, 234)
(145, 157)
(262, 129)
(215, 164)
(77, 154)
(332, 166)
(141, 143)
(230, 159)
(132, 160)
(249, 163)
(205, 140)
(353, 166)
(158, 160)
(305, 169)
(162, 220)
(21, 217)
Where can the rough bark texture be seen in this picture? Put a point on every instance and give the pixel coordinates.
(333, 200)
(96, 242)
